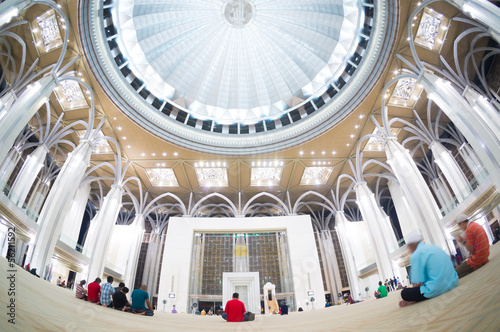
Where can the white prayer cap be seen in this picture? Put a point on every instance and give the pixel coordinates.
(461, 218)
(414, 237)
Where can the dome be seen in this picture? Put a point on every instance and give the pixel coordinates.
(194, 73)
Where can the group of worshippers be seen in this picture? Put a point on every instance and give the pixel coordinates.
(115, 297)
(432, 270)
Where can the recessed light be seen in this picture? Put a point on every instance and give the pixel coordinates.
(361, 116)
(164, 154)
(176, 154)
(124, 137)
(348, 144)
(334, 152)
(352, 135)
(143, 154)
(356, 126)
(312, 152)
(301, 152)
(119, 128)
(128, 146)
(153, 154)
(323, 152)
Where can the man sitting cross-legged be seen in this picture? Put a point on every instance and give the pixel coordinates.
(107, 290)
(431, 267)
(235, 310)
(120, 301)
(94, 291)
(139, 296)
(477, 244)
(81, 293)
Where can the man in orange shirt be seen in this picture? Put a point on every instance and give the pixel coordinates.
(476, 242)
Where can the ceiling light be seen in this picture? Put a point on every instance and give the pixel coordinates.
(153, 154)
(124, 137)
(301, 152)
(356, 126)
(143, 154)
(348, 144)
(334, 152)
(361, 116)
(119, 128)
(323, 152)
(176, 154)
(114, 118)
(164, 154)
(352, 135)
(128, 146)
(312, 152)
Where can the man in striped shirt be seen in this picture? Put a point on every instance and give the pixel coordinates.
(81, 292)
(476, 242)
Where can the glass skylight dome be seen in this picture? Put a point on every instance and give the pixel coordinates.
(237, 60)
(270, 74)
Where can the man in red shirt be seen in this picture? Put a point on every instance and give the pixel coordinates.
(94, 291)
(476, 242)
(235, 310)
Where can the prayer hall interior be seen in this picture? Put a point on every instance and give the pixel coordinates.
(286, 150)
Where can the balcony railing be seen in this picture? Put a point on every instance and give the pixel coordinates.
(71, 243)
(465, 192)
(14, 198)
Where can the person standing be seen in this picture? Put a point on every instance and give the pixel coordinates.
(107, 291)
(477, 244)
(94, 291)
(431, 269)
(235, 310)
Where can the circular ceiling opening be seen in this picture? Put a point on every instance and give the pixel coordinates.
(201, 70)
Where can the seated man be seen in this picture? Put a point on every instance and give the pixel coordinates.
(139, 296)
(284, 308)
(81, 293)
(382, 291)
(107, 290)
(431, 267)
(477, 244)
(235, 310)
(120, 301)
(94, 291)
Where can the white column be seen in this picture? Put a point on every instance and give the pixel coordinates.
(73, 221)
(469, 121)
(135, 248)
(12, 8)
(370, 211)
(27, 175)
(37, 198)
(483, 11)
(441, 191)
(330, 263)
(8, 166)
(417, 193)
(350, 263)
(104, 227)
(450, 169)
(21, 112)
(6, 100)
(403, 209)
(57, 205)
(471, 159)
(148, 275)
